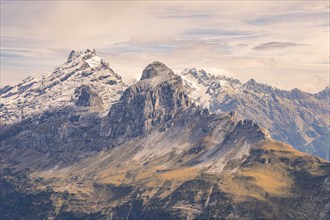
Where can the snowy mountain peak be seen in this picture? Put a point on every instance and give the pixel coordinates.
(86, 62)
(77, 54)
(88, 58)
(155, 69)
(202, 86)
(199, 74)
(208, 78)
(83, 75)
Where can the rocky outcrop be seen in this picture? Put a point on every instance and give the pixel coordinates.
(156, 69)
(158, 97)
(85, 96)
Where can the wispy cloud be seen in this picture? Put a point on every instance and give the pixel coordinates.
(11, 54)
(276, 45)
(138, 47)
(251, 39)
(217, 33)
(185, 16)
(180, 12)
(295, 17)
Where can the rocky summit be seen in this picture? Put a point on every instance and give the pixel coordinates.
(158, 97)
(80, 144)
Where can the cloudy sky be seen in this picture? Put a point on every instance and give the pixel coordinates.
(281, 43)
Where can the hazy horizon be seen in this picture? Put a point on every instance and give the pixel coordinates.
(283, 44)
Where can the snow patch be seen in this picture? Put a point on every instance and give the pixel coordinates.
(94, 61)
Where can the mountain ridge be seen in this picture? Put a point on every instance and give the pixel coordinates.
(264, 103)
(154, 153)
(306, 126)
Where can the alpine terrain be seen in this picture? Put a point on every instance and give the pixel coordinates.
(81, 144)
(298, 118)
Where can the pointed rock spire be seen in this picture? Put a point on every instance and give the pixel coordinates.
(73, 55)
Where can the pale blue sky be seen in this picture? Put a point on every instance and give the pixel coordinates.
(282, 43)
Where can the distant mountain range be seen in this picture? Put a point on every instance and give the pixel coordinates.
(298, 118)
(81, 144)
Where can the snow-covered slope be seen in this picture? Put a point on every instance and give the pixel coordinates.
(84, 82)
(295, 117)
(203, 86)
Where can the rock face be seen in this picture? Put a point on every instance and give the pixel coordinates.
(155, 69)
(153, 155)
(158, 97)
(85, 96)
(295, 117)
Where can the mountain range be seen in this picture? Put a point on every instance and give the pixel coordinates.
(81, 144)
(295, 117)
